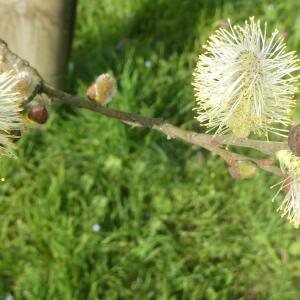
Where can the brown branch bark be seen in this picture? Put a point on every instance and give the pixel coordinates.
(209, 142)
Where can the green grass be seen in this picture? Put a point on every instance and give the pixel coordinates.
(174, 224)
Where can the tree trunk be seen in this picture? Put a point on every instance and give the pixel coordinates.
(41, 32)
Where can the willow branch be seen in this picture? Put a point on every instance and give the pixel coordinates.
(209, 142)
(231, 158)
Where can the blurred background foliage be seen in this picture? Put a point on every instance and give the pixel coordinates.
(172, 223)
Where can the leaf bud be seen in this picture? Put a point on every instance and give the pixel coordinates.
(242, 169)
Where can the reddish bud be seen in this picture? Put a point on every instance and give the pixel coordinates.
(38, 114)
(91, 92)
(294, 140)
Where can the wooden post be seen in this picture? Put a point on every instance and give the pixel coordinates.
(40, 32)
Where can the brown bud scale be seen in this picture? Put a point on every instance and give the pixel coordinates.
(91, 92)
(294, 140)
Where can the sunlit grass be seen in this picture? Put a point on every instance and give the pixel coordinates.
(174, 225)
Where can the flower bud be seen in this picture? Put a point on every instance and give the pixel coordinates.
(91, 92)
(242, 170)
(105, 87)
(294, 140)
(38, 114)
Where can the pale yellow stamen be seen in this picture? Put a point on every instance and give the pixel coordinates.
(245, 81)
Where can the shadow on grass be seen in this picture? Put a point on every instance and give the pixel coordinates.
(171, 23)
(155, 24)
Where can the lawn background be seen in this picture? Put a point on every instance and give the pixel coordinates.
(174, 224)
